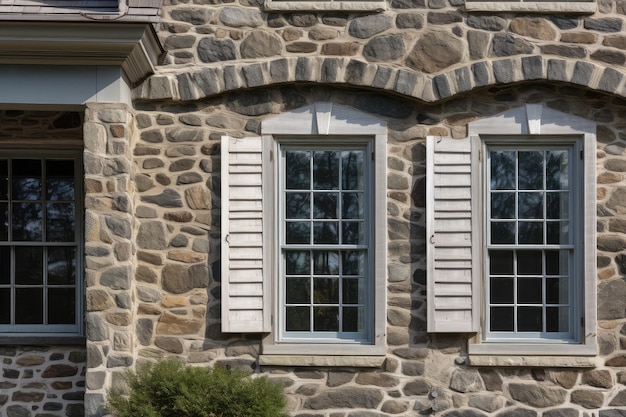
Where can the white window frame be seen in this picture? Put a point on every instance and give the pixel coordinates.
(536, 124)
(57, 333)
(336, 125)
(326, 5)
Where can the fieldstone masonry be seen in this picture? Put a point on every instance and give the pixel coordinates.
(152, 198)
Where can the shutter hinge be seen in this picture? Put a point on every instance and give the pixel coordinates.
(582, 322)
(582, 153)
(372, 155)
(271, 156)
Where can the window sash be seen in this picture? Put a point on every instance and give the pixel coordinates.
(520, 285)
(46, 284)
(340, 248)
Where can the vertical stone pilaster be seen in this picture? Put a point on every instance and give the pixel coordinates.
(109, 249)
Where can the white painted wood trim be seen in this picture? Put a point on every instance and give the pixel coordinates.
(224, 227)
(590, 242)
(380, 240)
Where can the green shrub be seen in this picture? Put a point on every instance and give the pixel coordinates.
(170, 389)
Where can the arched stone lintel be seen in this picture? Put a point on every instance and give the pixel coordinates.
(430, 88)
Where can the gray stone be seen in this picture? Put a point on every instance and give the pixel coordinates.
(466, 380)
(532, 67)
(116, 360)
(346, 398)
(216, 50)
(608, 56)
(17, 411)
(600, 378)
(119, 227)
(487, 402)
(367, 26)
(117, 278)
(279, 70)
(405, 82)
(384, 48)
(412, 368)
(503, 71)
(434, 51)
(619, 400)
(239, 17)
(486, 22)
(260, 45)
(537, 395)
(170, 344)
(144, 330)
(302, 19)
(480, 73)
(179, 279)
(557, 70)
(253, 74)
(561, 412)
(603, 25)
(582, 73)
(169, 198)
(444, 18)
(355, 70)
(587, 398)
(178, 42)
(505, 44)
(376, 378)
(564, 22)
(441, 86)
(148, 294)
(463, 79)
(151, 235)
(610, 80)
(383, 106)
(194, 16)
(517, 412)
(251, 104)
(329, 70)
(337, 378)
(409, 20)
(611, 292)
(612, 413)
(184, 134)
(417, 387)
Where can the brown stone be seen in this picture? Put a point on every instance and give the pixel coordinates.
(179, 279)
(340, 49)
(61, 385)
(615, 41)
(98, 300)
(186, 256)
(301, 47)
(579, 37)
(587, 398)
(609, 178)
(27, 397)
(600, 378)
(30, 360)
(322, 34)
(172, 301)
(533, 27)
(171, 324)
(59, 371)
(375, 378)
(619, 360)
(619, 400)
(291, 34)
(198, 198)
(170, 344)
(434, 51)
(145, 274)
(119, 319)
(394, 407)
(537, 395)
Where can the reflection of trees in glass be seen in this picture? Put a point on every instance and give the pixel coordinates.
(502, 170)
(530, 175)
(60, 222)
(325, 170)
(352, 170)
(61, 266)
(27, 222)
(298, 170)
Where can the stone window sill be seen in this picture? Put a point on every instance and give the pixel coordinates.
(532, 7)
(325, 6)
(540, 355)
(322, 361)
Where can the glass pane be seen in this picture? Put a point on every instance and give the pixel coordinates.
(556, 262)
(61, 306)
(530, 206)
(325, 170)
(27, 222)
(353, 319)
(4, 179)
(503, 205)
(529, 262)
(326, 290)
(326, 319)
(352, 175)
(26, 184)
(529, 291)
(29, 305)
(60, 222)
(501, 319)
(5, 306)
(298, 170)
(325, 233)
(558, 232)
(530, 170)
(325, 263)
(298, 262)
(325, 205)
(352, 206)
(60, 180)
(28, 265)
(530, 232)
(557, 205)
(353, 263)
(557, 291)
(501, 291)
(502, 233)
(556, 170)
(61, 266)
(502, 170)
(353, 233)
(298, 290)
(4, 222)
(297, 205)
(298, 232)
(500, 262)
(5, 265)
(353, 291)
(297, 319)
(557, 319)
(529, 319)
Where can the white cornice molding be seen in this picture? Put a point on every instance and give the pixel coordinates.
(132, 46)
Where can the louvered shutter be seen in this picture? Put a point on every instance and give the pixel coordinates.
(453, 252)
(244, 293)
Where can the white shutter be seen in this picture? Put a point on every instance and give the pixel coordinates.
(452, 231)
(244, 292)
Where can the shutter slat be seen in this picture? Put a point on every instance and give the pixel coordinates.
(243, 277)
(451, 231)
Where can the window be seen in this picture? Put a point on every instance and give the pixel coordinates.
(511, 229)
(326, 5)
(40, 253)
(304, 229)
(533, 242)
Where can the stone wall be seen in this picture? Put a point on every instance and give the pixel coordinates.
(178, 283)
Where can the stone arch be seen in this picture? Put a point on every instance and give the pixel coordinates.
(428, 88)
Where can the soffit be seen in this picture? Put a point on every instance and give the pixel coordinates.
(132, 46)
